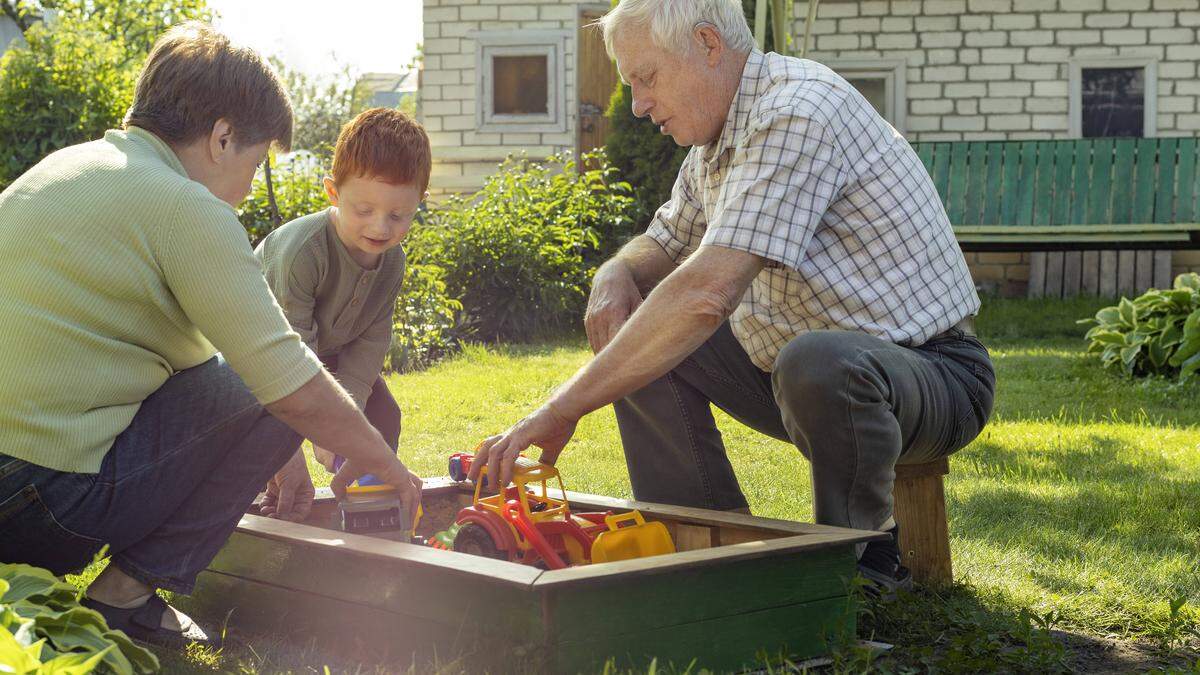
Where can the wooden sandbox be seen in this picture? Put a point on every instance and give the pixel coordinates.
(740, 591)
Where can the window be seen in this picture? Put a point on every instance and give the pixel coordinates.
(1113, 97)
(521, 81)
(880, 81)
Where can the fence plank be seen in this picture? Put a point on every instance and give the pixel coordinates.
(1072, 278)
(1090, 273)
(1054, 274)
(1162, 269)
(1037, 274)
(1108, 274)
(1126, 273)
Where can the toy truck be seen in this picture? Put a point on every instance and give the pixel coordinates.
(524, 524)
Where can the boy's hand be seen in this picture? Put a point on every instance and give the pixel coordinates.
(324, 458)
(407, 483)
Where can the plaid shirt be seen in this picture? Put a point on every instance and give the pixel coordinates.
(808, 176)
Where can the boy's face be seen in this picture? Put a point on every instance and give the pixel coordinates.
(373, 216)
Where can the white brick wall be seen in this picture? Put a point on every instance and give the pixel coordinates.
(998, 69)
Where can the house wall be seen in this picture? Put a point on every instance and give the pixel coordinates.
(8, 33)
(998, 70)
(463, 156)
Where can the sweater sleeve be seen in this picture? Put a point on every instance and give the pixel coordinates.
(209, 267)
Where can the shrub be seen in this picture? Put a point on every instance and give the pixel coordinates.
(298, 192)
(425, 323)
(45, 629)
(521, 254)
(1156, 334)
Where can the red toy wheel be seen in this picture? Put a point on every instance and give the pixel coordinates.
(473, 539)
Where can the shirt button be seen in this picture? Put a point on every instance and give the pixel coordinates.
(354, 302)
(363, 281)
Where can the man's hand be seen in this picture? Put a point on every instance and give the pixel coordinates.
(290, 492)
(407, 483)
(324, 457)
(614, 298)
(546, 428)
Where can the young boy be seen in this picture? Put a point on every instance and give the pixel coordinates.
(337, 273)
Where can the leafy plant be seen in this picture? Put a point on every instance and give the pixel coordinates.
(425, 322)
(298, 192)
(46, 630)
(521, 254)
(1157, 333)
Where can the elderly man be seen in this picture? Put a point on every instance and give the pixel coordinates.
(803, 278)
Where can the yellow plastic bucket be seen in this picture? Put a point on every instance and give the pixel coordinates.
(623, 541)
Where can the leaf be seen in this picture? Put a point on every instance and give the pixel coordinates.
(1188, 280)
(1128, 313)
(74, 663)
(82, 629)
(143, 660)
(1189, 366)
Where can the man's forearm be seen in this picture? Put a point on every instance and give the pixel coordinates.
(323, 413)
(645, 260)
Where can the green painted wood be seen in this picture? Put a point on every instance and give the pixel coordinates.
(995, 175)
(1099, 205)
(1118, 228)
(648, 601)
(941, 172)
(727, 644)
(1098, 238)
(1185, 190)
(1164, 198)
(1082, 182)
(1043, 205)
(977, 169)
(1026, 185)
(958, 182)
(1143, 181)
(1012, 174)
(1123, 175)
(1064, 188)
(925, 154)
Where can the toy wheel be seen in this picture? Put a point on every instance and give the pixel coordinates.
(475, 540)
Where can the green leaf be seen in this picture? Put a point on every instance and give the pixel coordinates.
(1157, 353)
(1128, 313)
(1188, 280)
(1189, 366)
(74, 663)
(143, 660)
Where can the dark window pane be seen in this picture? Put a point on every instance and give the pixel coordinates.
(521, 85)
(1114, 102)
(874, 89)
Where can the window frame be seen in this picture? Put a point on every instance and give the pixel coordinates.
(1076, 66)
(549, 43)
(893, 72)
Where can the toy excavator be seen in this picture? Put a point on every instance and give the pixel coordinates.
(524, 524)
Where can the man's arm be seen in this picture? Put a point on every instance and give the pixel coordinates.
(619, 286)
(645, 261)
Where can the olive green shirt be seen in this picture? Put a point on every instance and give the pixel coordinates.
(117, 271)
(336, 305)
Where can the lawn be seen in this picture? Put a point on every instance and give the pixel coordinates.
(1073, 518)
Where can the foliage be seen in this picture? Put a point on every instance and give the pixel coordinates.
(425, 320)
(298, 192)
(321, 105)
(47, 630)
(520, 255)
(74, 77)
(1156, 334)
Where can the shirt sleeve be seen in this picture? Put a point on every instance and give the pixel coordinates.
(209, 267)
(678, 226)
(361, 360)
(782, 179)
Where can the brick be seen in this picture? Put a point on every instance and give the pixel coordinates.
(836, 10)
(905, 7)
(945, 7)
(936, 23)
(1013, 89)
(1172, 35)
(1107, 20)
(1175, 4)
(1032, 38)
(968, 57)
(986, 38)
(1153, 20)
(481, 13)
(1049, 122)
(1183, 53)
(862, 25)
(976, 73)
(1191, 88)
(1081, 5)
(941, 56)
(874, 8)
(438, 108)
(945, 74)
(1167, 120)
(439, 77)
(453, 62)
(1125, 36)
(457, 29)
(1014, 22)
(460, 92)
(991, 106)
(963, 123)
(1003, 55)
(965, 90)
(444, 139)
(966, 106)
(932, 107)
(987, 273)
(442, 46)
(557, 12)
(894, 24)
(1177, 104)
(1050, 88)
(518, 13)
(896, 41)
(837, 42)
(441, 14)
(924, 90)
(1035, 73)
(975, 22)
(917, 124)
(1048, 54)
(1077, 37)
(935, 40)
(1009, 122)
(1046, 105)
(914, 57)
(1061, 20)
(1127, 5)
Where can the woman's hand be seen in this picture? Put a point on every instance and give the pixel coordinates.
(546, 428)
(290, 491)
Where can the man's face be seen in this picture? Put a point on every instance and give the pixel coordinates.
(673, 90)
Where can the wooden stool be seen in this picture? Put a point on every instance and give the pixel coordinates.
(920, 508)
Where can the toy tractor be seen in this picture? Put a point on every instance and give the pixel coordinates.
(524, 524)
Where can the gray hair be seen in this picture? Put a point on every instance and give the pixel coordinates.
(671, 22)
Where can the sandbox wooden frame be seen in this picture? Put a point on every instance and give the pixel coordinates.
(741, 591)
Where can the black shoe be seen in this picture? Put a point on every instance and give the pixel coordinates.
(880, 565)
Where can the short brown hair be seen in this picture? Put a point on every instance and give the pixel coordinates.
(195, 76)
(386, 144)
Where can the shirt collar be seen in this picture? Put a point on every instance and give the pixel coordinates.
(158, 145)
(754, 83)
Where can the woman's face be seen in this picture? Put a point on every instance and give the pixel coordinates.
(232, 183)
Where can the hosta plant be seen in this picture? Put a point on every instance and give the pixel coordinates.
(1157, 333)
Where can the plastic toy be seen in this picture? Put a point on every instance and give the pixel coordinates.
(525, 524)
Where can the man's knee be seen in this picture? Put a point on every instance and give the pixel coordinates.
(814, 366)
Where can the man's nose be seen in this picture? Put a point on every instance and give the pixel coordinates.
(641, 107)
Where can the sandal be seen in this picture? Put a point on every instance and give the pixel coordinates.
(144, 623)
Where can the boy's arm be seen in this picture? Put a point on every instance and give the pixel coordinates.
(361, 360)
(296, 290)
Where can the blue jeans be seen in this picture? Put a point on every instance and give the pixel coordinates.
(169, 493)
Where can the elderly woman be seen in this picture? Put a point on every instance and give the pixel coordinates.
(125, 272)
(803, 277)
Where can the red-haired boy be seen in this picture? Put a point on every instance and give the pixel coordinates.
(337, 273)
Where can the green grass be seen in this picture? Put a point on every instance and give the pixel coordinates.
(1079, 504)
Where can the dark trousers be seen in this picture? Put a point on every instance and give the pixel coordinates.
(381, 409)
(853, 404)
(169, 493)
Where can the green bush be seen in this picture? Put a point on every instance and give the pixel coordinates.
(520, 255)
(425, 323)
(46, 630)
(1156, 334)
(298, 192)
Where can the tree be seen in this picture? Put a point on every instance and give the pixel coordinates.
(321, 105)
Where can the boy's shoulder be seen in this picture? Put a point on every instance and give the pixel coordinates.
(294, 236)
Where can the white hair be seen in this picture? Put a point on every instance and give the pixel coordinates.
(671, 22)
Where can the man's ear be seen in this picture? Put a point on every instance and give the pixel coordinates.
(220, 140)
(330, 190)
(710, 43)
